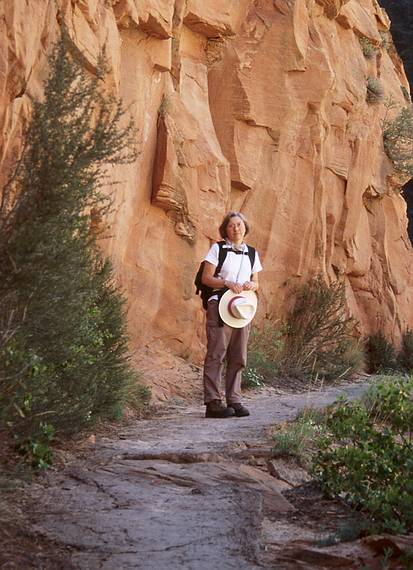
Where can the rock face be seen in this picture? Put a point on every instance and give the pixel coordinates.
(401, 14)
(255, 105)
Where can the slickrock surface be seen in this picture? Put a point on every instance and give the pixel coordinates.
(255, 105)
(182, 492)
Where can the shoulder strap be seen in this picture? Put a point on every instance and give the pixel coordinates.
(251, 255)
(221, 257)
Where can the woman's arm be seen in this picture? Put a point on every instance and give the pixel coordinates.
(217, 282)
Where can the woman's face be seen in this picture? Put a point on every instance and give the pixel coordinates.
(235, 229)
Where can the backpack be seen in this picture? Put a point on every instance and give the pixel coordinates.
(204, 291)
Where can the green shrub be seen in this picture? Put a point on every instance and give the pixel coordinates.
(39, 452)
(368, 48)
(264, 351)
(375, 91)
(319, 340)
(63, 344)
(389, 402)
(252, 378)
(406, 94)
(366, 455)
(297, 438)
(398, 139)
(385, 39)
(380, 353)
(405, 356)
(314, 416)
(136, 396)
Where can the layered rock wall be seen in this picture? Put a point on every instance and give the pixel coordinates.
(401, 14)
(255, 105)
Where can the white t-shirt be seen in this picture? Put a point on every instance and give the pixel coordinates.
(236, 267)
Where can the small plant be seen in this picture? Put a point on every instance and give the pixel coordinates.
(135, 396)
(407, 558)
(406, 94)
(367, 47)
(251, 378)
(366, 454)
(293, 441)
(375, 91)
(385, 39)
(319, 340)
(297, 438)
(405, 356)
(398, 139)
(313, 416)
(381, 354)
(263, 355)
(38, 452)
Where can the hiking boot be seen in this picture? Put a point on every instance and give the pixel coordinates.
(240, 410)
(216, 409)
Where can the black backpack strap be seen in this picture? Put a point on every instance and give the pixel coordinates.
(221, 256)
(205, 291)
(251, 255)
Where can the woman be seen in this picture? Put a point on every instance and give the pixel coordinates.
(224, 341)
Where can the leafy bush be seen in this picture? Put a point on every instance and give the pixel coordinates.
(316, 341)
(405, 356)
(263, 356)
(63, 344)
(368, 48)
(366, 454)
(386, 402)
(252, 378)
(398, 139)
(375, 91)
(136, 396)
(293, 441)
(297, 438)
(406, 94)
(39, 452)
(385, 39)
(380, 353)
(319, 340)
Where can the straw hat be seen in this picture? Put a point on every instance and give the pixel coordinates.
(238, 309)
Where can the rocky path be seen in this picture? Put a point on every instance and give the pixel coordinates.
(176, 492)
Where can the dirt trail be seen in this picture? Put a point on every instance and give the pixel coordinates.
(176, 492)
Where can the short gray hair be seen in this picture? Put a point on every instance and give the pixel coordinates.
(227, 219)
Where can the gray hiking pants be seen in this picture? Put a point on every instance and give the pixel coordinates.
(224, 343)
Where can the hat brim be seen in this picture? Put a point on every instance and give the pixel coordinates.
(227, 317)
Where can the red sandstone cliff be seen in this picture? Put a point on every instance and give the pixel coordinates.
(252, 105)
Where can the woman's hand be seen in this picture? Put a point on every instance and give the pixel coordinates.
(235, 287)
(250, 286)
